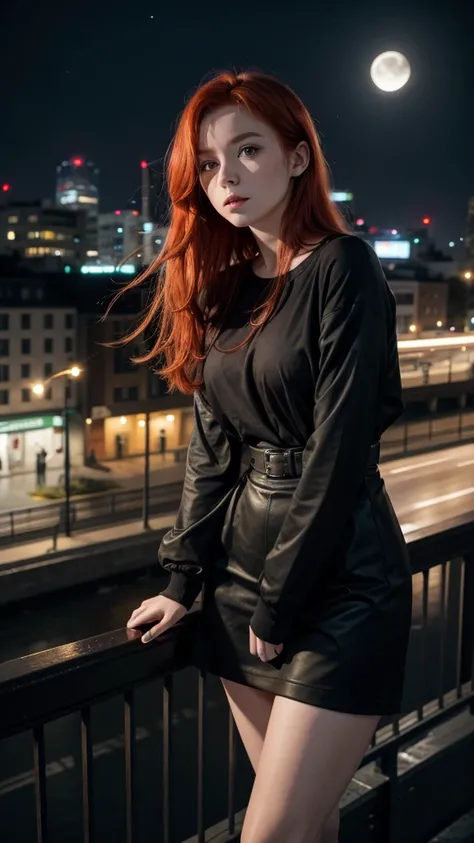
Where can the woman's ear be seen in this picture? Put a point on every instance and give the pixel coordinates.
(299, 159)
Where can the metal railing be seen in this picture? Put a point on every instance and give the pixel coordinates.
(407, 802)
(86, 511)
(102, 508)
(437, 431)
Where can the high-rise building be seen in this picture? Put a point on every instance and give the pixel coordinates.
(43, 234)
(119, 236)
(77, 188)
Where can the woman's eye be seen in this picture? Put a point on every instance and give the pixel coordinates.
(249, 151)
(205, 166)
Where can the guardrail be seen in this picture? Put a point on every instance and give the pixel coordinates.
(42, 520)
(86, 511)
(436, 431)
(406, 802)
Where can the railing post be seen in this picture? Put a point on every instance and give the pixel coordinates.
(12, 525)
(389, 768)
(146, 479)
(467, 624)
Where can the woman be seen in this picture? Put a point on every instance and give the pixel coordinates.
(283, 326)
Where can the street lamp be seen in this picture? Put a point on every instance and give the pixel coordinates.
(39, 390)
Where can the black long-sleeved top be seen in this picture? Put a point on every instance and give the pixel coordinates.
(323, 375)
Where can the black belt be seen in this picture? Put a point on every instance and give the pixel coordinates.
(288, 462)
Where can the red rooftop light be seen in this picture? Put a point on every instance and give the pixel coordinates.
(143, 165)
(78, 162)
(5, 188)
(426, 220)
(117, 213)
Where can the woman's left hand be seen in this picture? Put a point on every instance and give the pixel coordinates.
(263, 649)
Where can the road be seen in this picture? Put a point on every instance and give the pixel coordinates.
(431, 487)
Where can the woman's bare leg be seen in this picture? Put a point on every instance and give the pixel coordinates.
(251, 710)
(307, 760)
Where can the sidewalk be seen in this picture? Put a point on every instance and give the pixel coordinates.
(91, 540)
(127, 473)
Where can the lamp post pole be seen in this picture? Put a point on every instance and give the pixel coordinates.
(67, 462)
(38, 389)
(146, 484)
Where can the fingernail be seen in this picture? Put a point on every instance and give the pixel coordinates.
(146, 637)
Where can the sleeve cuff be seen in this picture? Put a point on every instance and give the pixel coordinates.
(182, 588)
(266, 626)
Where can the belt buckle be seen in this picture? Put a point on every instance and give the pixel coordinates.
(269, 452)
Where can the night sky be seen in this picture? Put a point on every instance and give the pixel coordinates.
(108, 80)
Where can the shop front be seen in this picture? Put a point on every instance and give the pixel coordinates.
(117, 437)
(21, 439)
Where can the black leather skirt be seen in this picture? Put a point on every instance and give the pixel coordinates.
(347, 649)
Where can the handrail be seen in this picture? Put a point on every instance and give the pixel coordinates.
(48, 684)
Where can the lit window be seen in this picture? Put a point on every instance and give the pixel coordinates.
(92, 253)
(12, 220)
(33, 235)
(33, 218)
(48, 235)
(11, 235)
(87, 200)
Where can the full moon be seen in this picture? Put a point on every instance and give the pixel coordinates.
(390, 71)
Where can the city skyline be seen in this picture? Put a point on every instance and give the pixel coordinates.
(105, 96)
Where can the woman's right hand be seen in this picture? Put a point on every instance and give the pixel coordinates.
(168, 612)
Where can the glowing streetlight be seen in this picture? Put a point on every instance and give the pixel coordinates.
(468, 276)
(439, 324)
(412, 329)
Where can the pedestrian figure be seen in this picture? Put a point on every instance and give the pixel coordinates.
(41, 467)
(162, 444)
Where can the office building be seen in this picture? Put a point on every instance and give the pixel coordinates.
(77, 188)
(41, 233)
(119, 237)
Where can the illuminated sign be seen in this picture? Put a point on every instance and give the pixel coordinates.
(68, 197)
(126, 269)
(342, 196)
(392, 249)
(30, 423)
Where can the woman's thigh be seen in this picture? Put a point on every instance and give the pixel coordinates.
(307, 761)
(251, 709)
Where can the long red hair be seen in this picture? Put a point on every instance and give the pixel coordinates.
(196, 274)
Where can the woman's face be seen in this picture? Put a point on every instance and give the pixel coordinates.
(241, 157)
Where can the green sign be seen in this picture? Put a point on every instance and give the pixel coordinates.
(30, 423)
